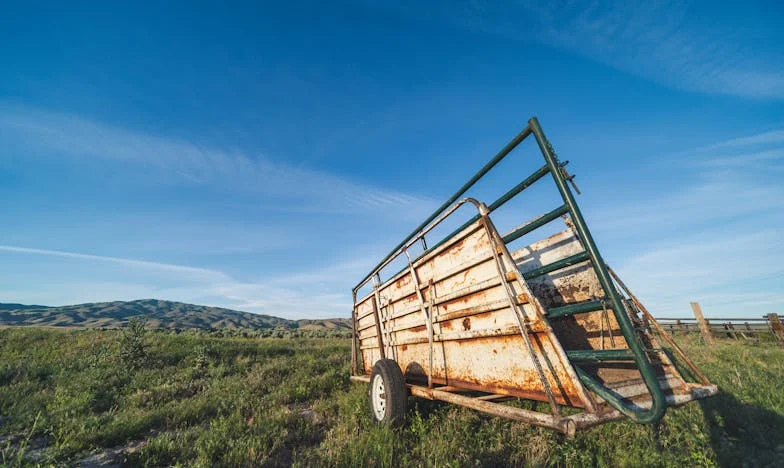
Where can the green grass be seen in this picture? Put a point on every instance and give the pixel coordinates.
(197, 399)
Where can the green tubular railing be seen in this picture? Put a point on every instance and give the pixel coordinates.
(600, 355)
(576, 308)
(535, 224)
(636, 351)
(555, 266)
(658, 403)
(527, 182)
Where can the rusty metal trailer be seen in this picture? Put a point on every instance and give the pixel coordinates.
(471, 322)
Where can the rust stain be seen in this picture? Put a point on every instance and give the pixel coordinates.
(466, 324)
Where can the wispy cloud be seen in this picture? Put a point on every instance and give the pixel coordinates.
(761, 151)
(195, 273)
(715, 270)
(669, 42)
(185, 162)
(717, 239)
(663, 42)
(772, 136)
(316, 293)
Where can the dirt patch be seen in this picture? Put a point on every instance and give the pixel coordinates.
(112, 457)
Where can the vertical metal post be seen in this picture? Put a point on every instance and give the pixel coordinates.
(647, 371)
(705, 329)
(377, 316)
(426, 313)
(354, 366)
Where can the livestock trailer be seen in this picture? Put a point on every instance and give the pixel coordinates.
(472, 321)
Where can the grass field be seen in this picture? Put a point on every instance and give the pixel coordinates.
(160, 398)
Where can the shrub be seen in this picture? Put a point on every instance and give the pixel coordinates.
(133, 350)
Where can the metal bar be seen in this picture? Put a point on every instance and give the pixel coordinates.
(527, 297)
(560, 264)
(663, 319)
(535, 224)
(481, 286)
(365, 314)
(494, 397)
(361, 329)
(571, 309)
(426, 313)
(600, 355)
(436, 249)
(558, 423)
(514, 191)
(484, 170)
(448, 274)
(354, 339)
(376, 311)
(587, 420)
(519, 312)
(527, 182)
(655, 413)
(463, 335)
(377, 345)
(473, 310)
(474, 262)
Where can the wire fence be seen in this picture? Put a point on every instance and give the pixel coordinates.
(735, 328)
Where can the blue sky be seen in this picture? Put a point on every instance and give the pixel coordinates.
(265, 156)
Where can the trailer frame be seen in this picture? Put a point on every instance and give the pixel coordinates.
(600, 402)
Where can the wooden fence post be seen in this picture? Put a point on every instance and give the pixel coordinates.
(704, 326)
(777, 327)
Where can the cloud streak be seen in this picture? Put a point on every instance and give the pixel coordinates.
(190, 272)
(185, 162)
(662, 42)
(668, 42)
(717, 240)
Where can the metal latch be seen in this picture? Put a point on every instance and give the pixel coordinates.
(568, 177)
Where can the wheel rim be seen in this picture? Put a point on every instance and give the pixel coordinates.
(378, 397)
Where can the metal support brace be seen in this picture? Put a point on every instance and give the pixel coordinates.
(426, 314)
(522, 320)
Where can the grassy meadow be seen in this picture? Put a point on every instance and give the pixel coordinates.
(158, 398)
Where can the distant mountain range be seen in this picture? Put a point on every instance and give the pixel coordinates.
(164, 314)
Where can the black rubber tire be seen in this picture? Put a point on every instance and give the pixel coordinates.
(395, 393)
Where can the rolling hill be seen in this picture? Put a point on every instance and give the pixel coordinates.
(164, 314)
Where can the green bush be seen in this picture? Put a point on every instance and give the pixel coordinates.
(133, 350)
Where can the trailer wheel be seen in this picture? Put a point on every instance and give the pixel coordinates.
(388, 394)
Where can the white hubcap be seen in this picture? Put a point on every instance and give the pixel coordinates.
(379, 398)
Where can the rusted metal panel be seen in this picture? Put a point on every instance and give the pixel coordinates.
(477, 342)
(474, 343)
